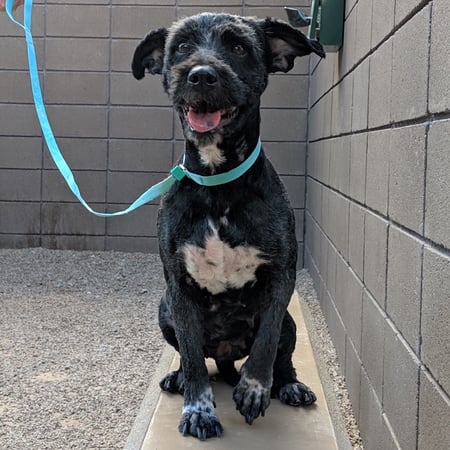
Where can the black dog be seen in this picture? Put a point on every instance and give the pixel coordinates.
(229, 252)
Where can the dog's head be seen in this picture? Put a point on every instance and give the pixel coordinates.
(215, 67)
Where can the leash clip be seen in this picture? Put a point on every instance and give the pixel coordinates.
(178, 172)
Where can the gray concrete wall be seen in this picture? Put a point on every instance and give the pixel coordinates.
(119, 135)
(378, 216)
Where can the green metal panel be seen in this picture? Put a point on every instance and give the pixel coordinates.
(327, 23)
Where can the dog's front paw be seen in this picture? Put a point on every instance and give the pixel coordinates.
(251, 398)
(200, 424)
(296, 394)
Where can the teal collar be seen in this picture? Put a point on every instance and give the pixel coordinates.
(179, 171)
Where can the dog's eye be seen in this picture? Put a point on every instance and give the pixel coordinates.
(238, 49)
(184, 47)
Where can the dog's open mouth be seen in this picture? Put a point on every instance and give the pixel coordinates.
(203, 121)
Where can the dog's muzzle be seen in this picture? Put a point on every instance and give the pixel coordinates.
(200, 115)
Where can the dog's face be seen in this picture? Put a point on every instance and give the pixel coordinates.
(215, 68)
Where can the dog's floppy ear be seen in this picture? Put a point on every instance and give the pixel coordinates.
(149, 54)
(285, 43)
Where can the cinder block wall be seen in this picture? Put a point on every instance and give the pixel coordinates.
(119, 135)
(378, 216)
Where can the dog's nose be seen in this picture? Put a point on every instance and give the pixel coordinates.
(202, 76)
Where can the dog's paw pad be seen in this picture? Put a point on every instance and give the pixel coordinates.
(200, 424)
(297, 394)
(173, 382)
(251, 398)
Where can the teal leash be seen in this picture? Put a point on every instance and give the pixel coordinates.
(176, 174)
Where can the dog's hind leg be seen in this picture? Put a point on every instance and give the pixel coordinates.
(285, 385)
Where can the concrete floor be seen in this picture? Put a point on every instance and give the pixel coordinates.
(282, 428)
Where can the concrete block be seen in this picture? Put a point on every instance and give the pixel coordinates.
(380, 85)
(295, 187)
(388, 439)
(288, 158)
(382, 20)
(92, 186)
(80, 154)
(8, 29)
(372, 349)
(71, 20)
(185, 11)
(132, 244)
(77, 54)
(360, 107)
(337, 331)
(375, 252)
(19, 218)
(14, 87)
(314, 199)
(405, 8)
(18, 120)
(341, 119)
(410, 68)
(437, 213)
(125, 187)
(363, 28)
(20, 152)
(340, 164)
(348, 300)
(286, 92)
(20, 185)
(348, 51)
(85, 88)
(284, 124)
(126, 90)
(19, 241)
(339, 215)
(434, 414)
(403, 284)
(401, 387)
(358, 162)
(322, 78)
(141, 122)
(141, 222)
(79, 121)
(370, 412)
(440, 58)
(140, 155)
(377, 172)
(331, 270)
(436, 316)
(406, 176)
(14, 52)
(122, 51)
(140, 2)
(299, 223)
(137, 21)
(356, 239)
(353, 376)
(71, 219)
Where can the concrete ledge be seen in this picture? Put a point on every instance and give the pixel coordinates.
(283, 427)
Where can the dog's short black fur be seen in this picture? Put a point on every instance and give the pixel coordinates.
(229, 252)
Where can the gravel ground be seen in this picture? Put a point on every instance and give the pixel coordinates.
(79, 342)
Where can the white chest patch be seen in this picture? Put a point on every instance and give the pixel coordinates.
(219, 267)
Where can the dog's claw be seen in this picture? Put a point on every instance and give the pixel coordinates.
(252, 399)
(200, 424)
(297, 394)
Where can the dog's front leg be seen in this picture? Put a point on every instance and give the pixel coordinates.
(198, 418)
(252, 394)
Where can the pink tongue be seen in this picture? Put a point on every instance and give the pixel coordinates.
(203, 122)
